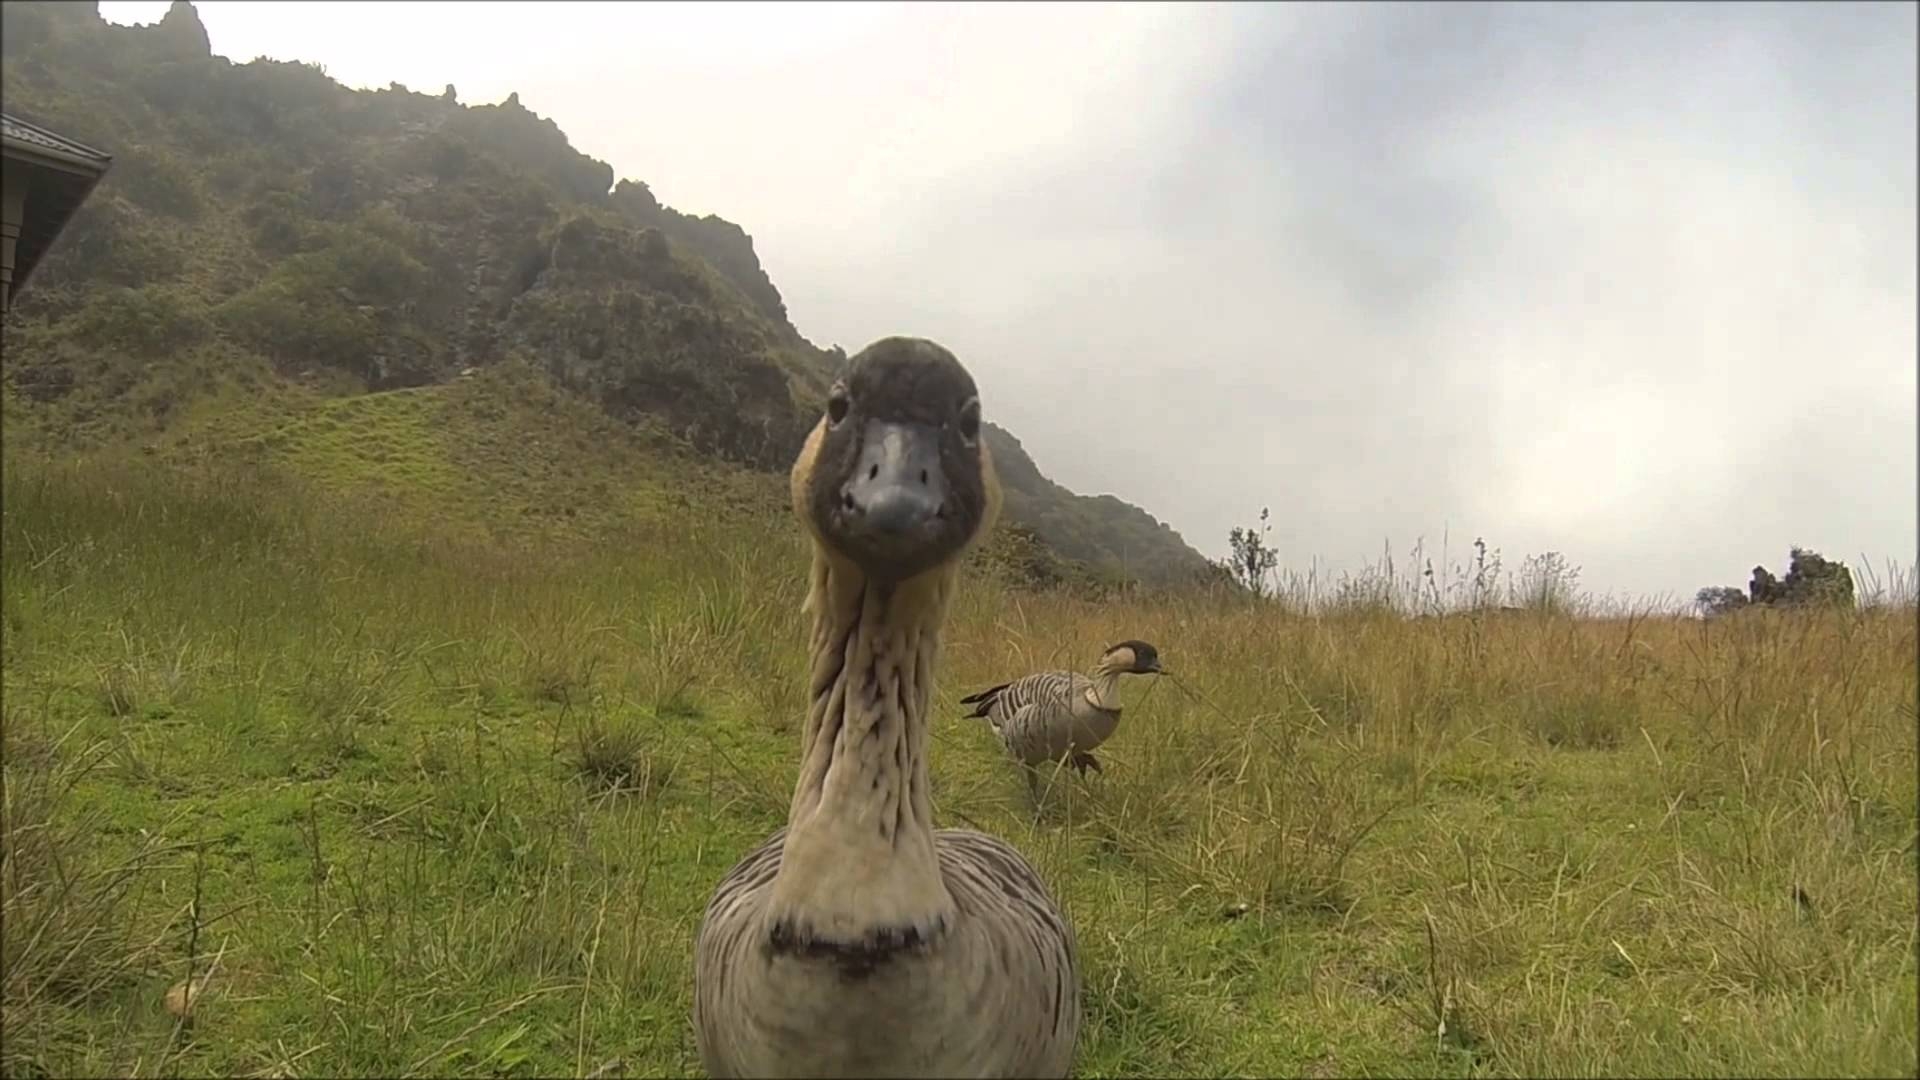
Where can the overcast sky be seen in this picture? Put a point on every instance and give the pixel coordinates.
(1631, 282)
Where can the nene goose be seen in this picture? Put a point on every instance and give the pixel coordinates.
(859, 940)
(1047, 715)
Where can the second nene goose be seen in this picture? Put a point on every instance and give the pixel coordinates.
(859, 940)
(1047, 715)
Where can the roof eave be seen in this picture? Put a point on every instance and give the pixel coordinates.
(92, 168)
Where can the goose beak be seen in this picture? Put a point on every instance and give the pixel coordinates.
(897, 495)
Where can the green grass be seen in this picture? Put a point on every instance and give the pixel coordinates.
(448, 800)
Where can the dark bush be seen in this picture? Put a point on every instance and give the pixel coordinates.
(154, 178)
(1811, 579)
(153, 321)
(1716, 600)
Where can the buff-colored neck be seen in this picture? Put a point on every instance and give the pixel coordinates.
(873, 650)
(859, 851)
(1105, 691)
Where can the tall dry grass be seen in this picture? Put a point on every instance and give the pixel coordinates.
(449, 807)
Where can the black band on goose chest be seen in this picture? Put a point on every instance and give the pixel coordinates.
(854, 959)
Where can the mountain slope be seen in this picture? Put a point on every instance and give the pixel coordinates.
(264, 224)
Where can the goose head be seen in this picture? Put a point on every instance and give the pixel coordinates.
(895, 477)
(1131, 658)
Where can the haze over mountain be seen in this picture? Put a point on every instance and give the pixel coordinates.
(1632, 282)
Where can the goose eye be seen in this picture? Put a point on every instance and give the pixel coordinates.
(837, 406)
(970, 419)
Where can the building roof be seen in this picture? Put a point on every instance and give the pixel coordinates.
(58, 173)
(19, 135)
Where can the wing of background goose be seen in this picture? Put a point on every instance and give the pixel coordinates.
(1022, 732)
(1043, 688)
(1046, 691)
(1029, 709)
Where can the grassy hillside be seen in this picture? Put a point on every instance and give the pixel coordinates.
(265, 228)
(416, 800)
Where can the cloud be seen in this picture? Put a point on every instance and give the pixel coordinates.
(1632, 282)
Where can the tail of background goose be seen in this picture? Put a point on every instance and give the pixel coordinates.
(982, 701)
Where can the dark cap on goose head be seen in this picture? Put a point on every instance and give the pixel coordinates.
(1146, 659)
(896, 477)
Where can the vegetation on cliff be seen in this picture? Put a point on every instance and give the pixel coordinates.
(268, 230)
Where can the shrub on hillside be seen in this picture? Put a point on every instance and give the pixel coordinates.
(109, 242)
(287, 322)
(1252, 559)
(153, 321)
(278, 226)
(621, 319)
(336, 306)
(1812, 580)
(155, 179)
(533, 146)
(1716, 600)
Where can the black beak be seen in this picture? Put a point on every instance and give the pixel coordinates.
(898, 490)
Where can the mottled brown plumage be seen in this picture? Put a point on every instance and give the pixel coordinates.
(1050, 715)
(859, 940)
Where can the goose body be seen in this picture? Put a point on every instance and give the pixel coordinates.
(859, 940)
(1049, 715)
(998, 996)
